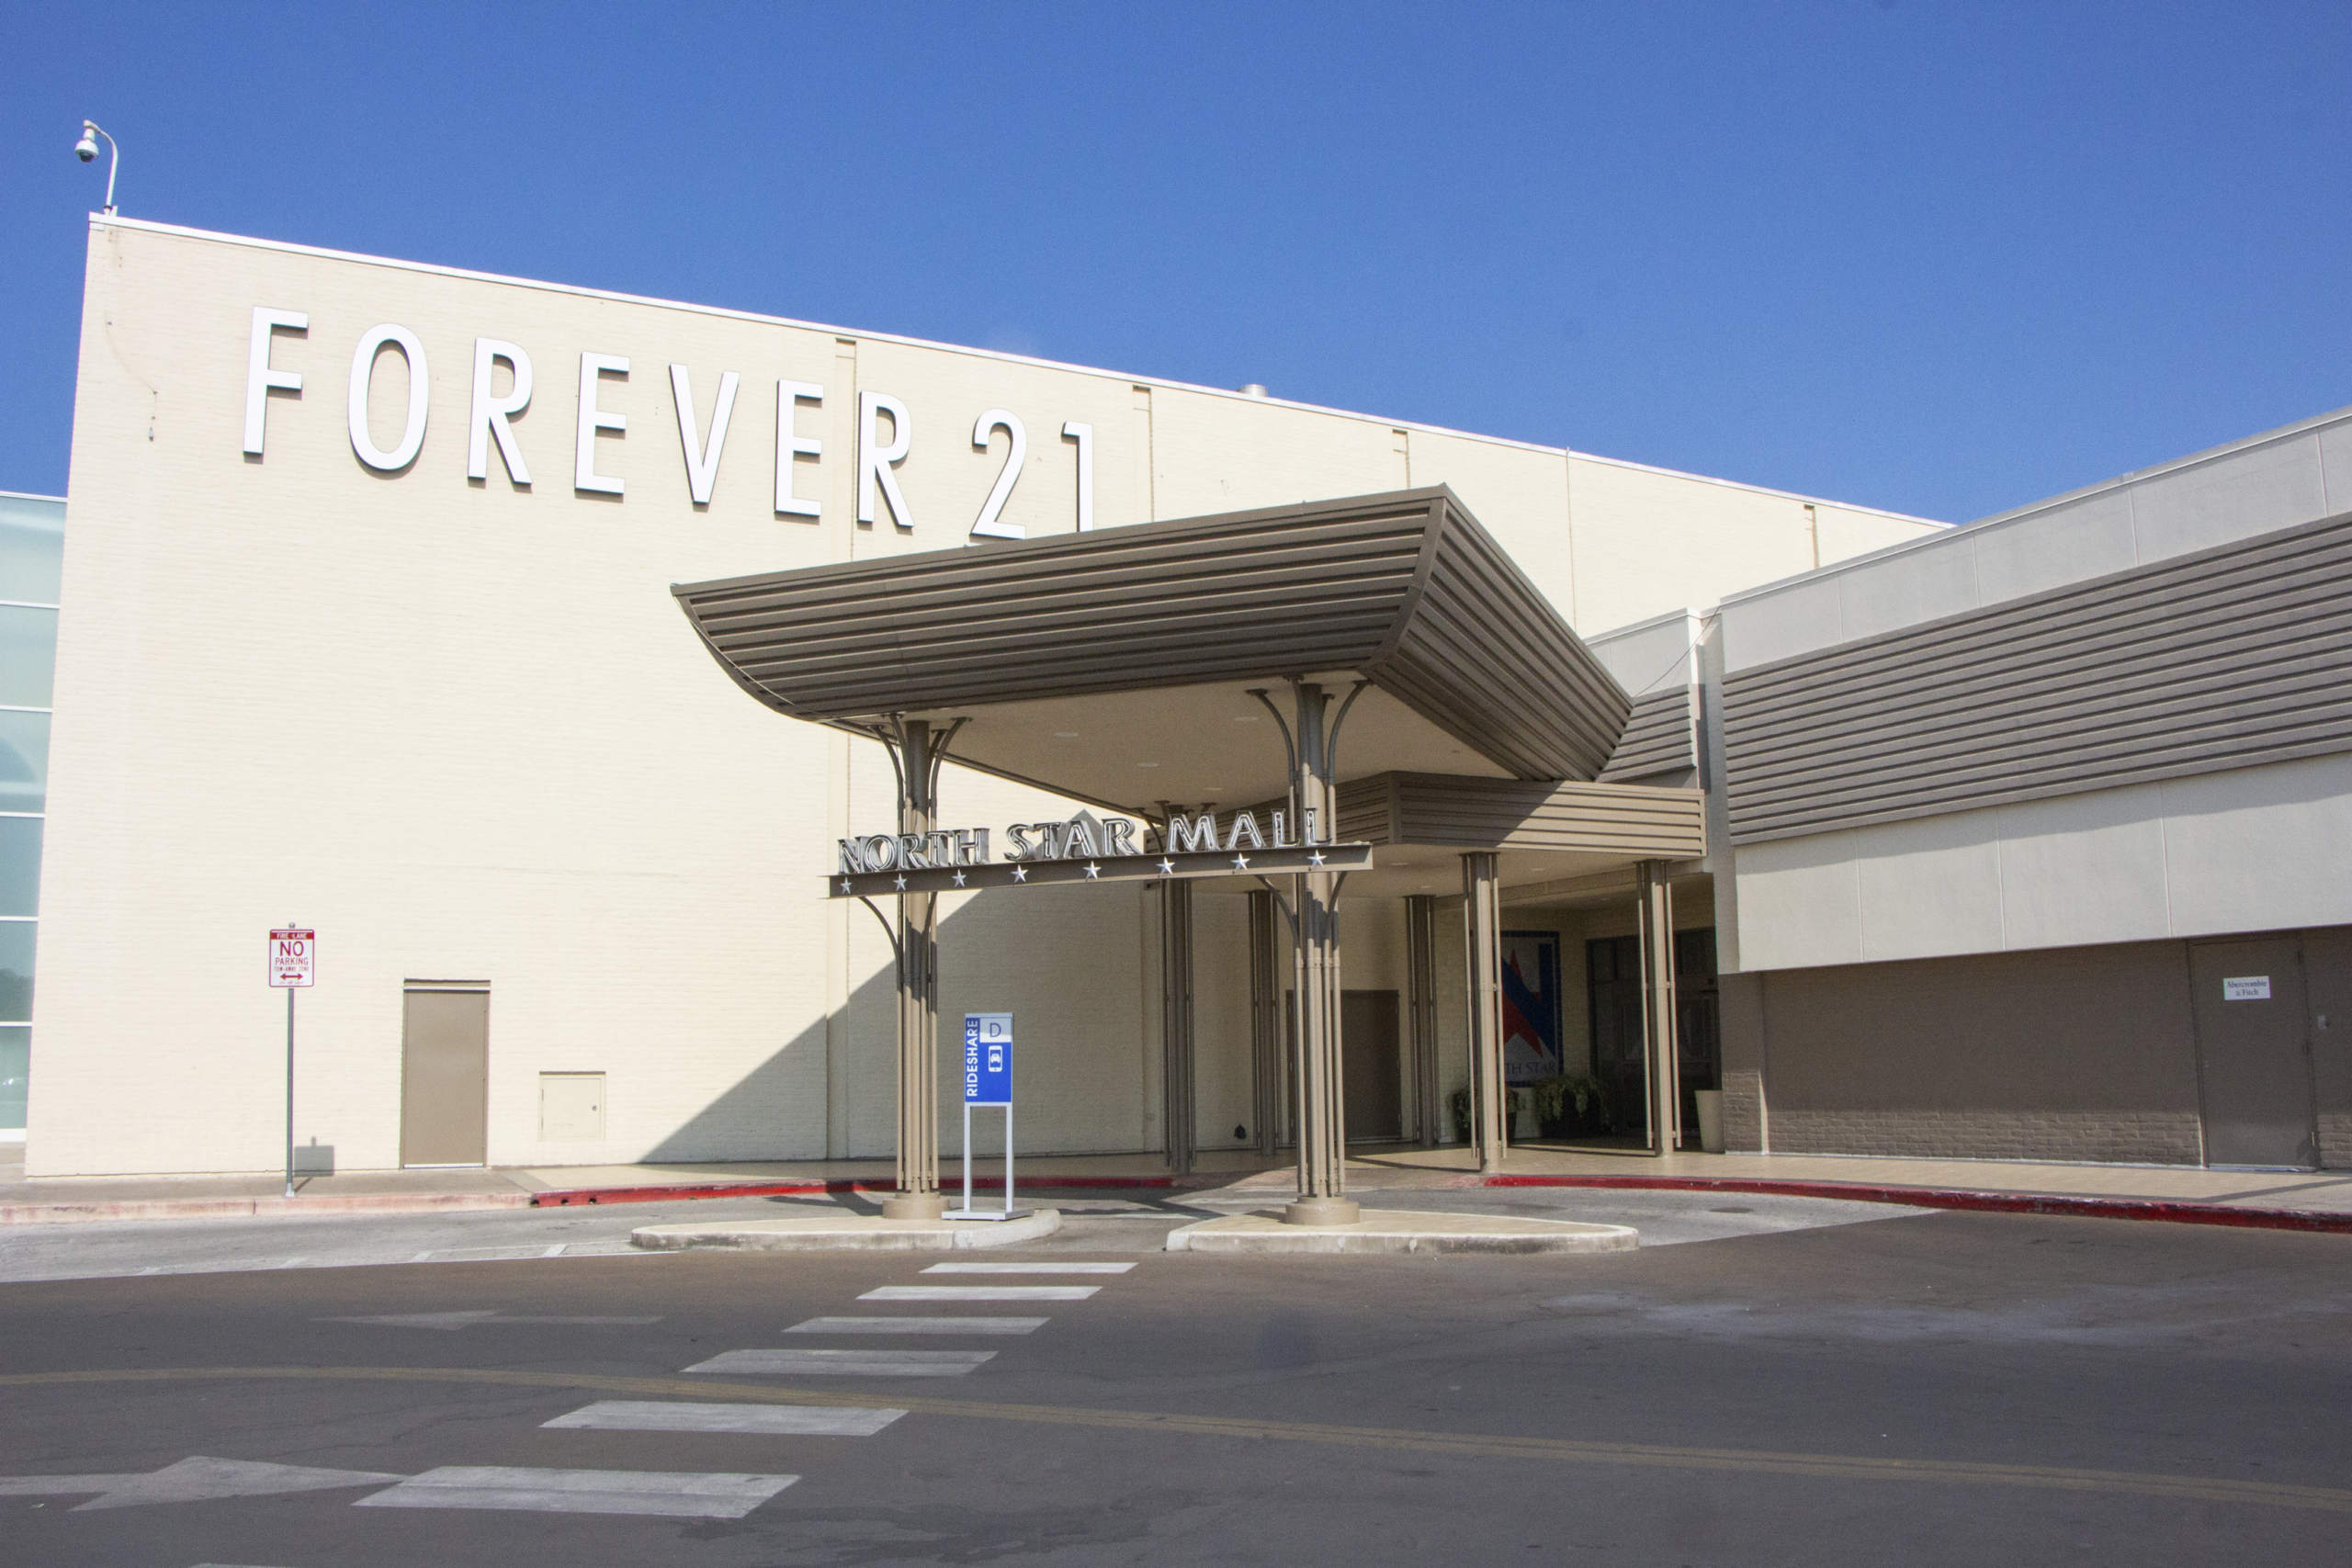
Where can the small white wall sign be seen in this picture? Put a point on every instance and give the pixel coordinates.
(2246, 988)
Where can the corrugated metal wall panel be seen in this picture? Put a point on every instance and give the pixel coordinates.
(1454, 811)
(1368, 811)
(1662, 737)
(1631, 819)
(2226, 659)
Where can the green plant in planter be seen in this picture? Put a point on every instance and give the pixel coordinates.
(1554, 1095)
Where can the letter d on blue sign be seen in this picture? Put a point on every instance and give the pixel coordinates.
(988, 1058)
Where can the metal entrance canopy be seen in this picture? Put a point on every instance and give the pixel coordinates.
(1231, 660)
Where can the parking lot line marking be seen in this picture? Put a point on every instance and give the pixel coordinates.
(668, 1494)
(847, 1364)
(918, 1325)
(1029, 1268)
(1556, 1451)
(979, 1293)
(766, 1420)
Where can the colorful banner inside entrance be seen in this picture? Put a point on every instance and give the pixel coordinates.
(1531, 1006)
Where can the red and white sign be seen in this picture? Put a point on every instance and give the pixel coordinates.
(293, 957)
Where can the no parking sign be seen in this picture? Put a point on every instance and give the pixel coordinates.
(293, 957)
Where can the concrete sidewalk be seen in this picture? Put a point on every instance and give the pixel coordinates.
(2295, 1199)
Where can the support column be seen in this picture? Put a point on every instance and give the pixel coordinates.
(1661, 1052)
(1268, 1047)
(1482, 922)
(1178, 1134)
(1322, 1123)
(918, 1196)
(1420, 1014)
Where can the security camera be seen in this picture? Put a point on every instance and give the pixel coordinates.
(85, 149)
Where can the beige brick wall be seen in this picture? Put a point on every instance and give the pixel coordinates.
(2152, 1137)
(2076, 1053)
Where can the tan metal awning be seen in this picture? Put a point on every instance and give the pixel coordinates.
(1115, 666)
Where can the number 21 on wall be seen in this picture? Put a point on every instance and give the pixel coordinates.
(990, 524)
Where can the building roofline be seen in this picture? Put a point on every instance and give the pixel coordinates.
(1687, 613)
(101, 221)
(1758, 490)
(2031, 509)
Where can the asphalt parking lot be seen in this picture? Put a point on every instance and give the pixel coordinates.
(1769, 1381)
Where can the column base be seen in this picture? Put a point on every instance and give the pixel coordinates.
(914, 1206)
(1322, 1211)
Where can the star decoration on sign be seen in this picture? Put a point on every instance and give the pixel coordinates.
(1020, 874)
(1242, 862)
(1167, 866)
(1316, 858)
(960, 879)
(845, 884)
(901, 883)
(1092, 870)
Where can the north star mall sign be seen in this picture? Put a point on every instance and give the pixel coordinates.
(1085, 849)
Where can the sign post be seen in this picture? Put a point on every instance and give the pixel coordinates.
(293, 963)
(988, 1081)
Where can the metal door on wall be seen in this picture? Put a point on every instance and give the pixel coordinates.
(444, 1076)
(1370, 1066)
(2254, 1065)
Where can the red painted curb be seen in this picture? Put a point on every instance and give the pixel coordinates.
(568, 1197)
(2172, 1211)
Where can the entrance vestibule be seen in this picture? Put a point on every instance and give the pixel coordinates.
(1616, 1057)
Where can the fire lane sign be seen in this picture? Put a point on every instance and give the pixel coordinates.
(293, 957)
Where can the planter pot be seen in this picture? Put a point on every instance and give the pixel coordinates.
(1711, 1120)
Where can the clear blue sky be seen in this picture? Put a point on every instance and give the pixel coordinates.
(1940, 258)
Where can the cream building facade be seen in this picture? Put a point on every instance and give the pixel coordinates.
(373, 654)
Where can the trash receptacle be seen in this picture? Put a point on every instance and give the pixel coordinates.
(1711, 1120)
(1523, 1123)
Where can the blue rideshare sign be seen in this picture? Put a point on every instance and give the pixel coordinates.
(988, 1058)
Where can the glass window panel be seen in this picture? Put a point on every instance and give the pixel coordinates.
(28, 656)
(32, 544)
(20, 865)
(17, 971)
(16, 1066)
(24, 761)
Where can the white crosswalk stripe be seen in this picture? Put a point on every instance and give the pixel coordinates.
(669, 1493)
(1029, 1268)
(766, 1420)
(979, 1293)
(918, 1325)
(731, 1495)
(847, 1364)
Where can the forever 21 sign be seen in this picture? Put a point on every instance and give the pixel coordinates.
(502, 386)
